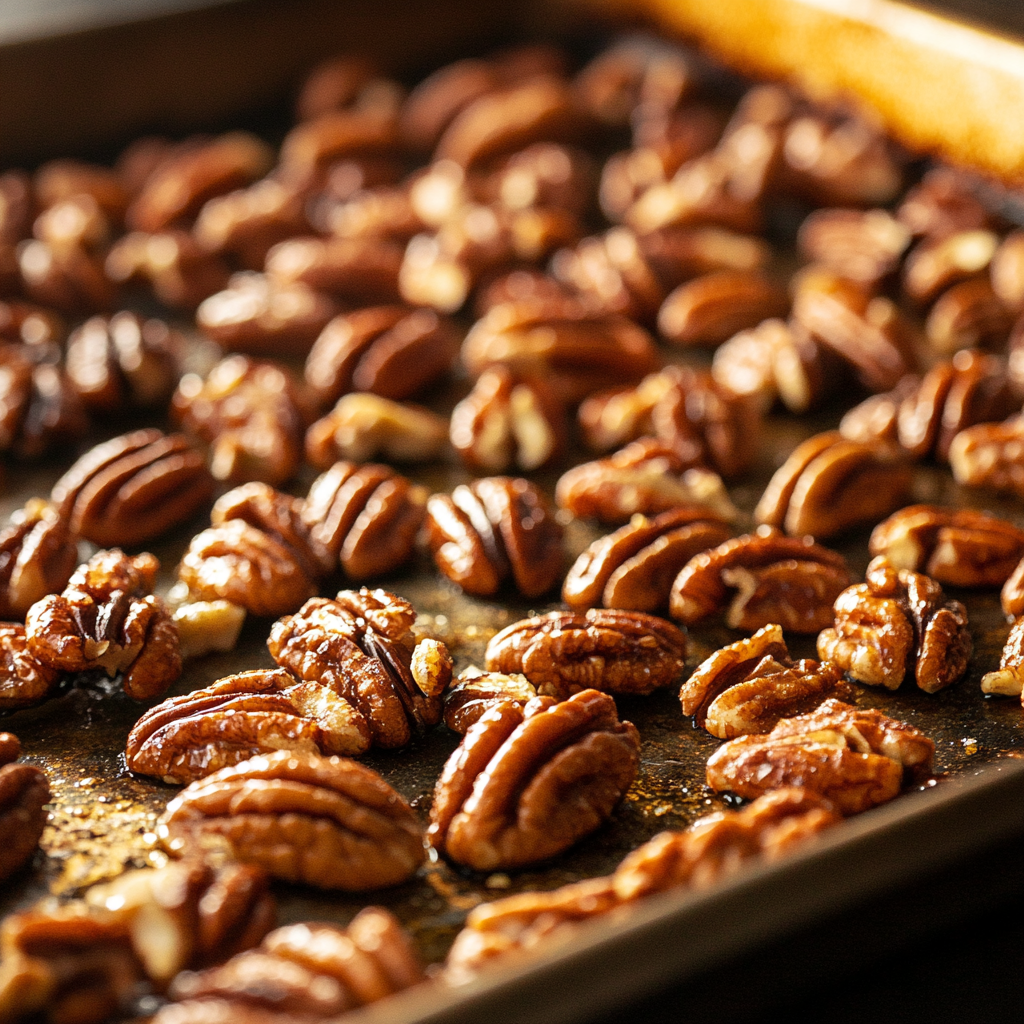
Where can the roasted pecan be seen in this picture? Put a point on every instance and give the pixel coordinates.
(544, 175)
(333, 85)
(645, 477)
(990, 455)
(24, 679)
(70, 963)
(562, 653)
(59, 180)
(936, 263)
(787, 580)
(1012, 595)
(393, 351)
(476, 692)
(528, 782)
(824, 751)
(966, 315)
(187, 914)
(261, 315)
(327, 822)
(187, 738)
(106, 619)
(960, 548)
(944, 202)
(1007, 271)
(877, 417)
(1007, 680)
(181, 183)
(250, 414)
(360, 645)
(123, 362)
(492, 529)
(633, 568)
(749, 685)
(385, 211)
(897, 621)
(861, 245)
(867, 332)
(365, 517)
(133, 488)
(363, 426)
(24, 793)
(38, 554)
(829, 484)
(508, 423)
(711, 308)
(301, 972)
(576, 353)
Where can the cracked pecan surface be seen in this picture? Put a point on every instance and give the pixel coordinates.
(528, 782)
(360, 646)
(854, 757)
(615, 651)
(326, 822)
(761, 578)
(475, 692)
(896, 622)
(106, 618)
(24, 679)
(38, 554)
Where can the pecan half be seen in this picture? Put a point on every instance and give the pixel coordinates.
(133, 488)
(327, 822)
(106, 619)
(38, 554)
(364, 426)
(829, 484)
(1011, 597)
(860, 245)
(393, 351)
(257, 712)
(989, 455)
(24, 679)
(967, 315)
(855, 757)
(787, 580)
(508, 423)
(943, 202)
(494, 529)
(562, 653)
(529, 782)
(896, 621)
(365, 517)
(24, 793)
(936, 263)
(1008, 679)
(960, 548)
(645, 477)
(476, 692)
(360, 645)
(634, 567)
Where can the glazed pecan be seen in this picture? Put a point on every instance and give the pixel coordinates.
(365, 517)
(1012, 595)
(494, 529)
(575, 352)
(250, 413)
(786, 580)
(123, 362)
(824, 751)
(989, 455)
(327, 822)
(38, 554)
(1007, 271)
(24, 793)
(944, 202)
(528, 782)
(1008, 679)
(393, 351)
(360, 645)
(106, 618)
(187, 914)
(960, 548)
(633, 568)
(645, 477)
(967, 315)
(24, 679)
(749, 685)
(257, 712)
(936, 263)
(687, 410)
(364, 426)
(860, 245)
(895, 622)
(508, 423)
(829, 485)
(301, 972)
(133, 488)
(264, 316)
(562, 653)
(711, 308)
(476, 692)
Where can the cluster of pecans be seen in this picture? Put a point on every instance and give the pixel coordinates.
(335, 281)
